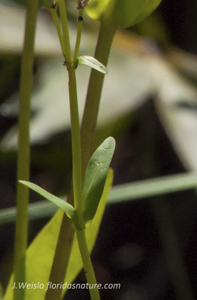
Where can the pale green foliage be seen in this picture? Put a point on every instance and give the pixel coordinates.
(95, 177)
(124, 13)
(91, 62)
(39, 255)
(67, 208)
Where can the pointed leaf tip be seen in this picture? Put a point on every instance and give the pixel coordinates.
(92, 62)
(68, 209)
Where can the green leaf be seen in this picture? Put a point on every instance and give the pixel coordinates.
(120, 193)
(91, 62)
(39, 258)
(75, 262)
(67, 208)
(95, 176)
(124, 13)
(40, 254)
(96, 9)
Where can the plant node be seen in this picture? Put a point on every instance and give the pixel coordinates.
(80, 18)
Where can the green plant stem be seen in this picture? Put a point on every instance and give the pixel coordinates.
(21, 234)
(76, 146)
(24, 140)
(106, 34)
(66, 39)
(79, 30)
(77, 183)
(58, 271)
(53, 12)
(88, 268)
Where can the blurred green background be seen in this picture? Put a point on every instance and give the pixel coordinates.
(149, 104)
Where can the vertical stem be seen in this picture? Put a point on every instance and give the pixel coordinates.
(66, 39)
(77, 184)
(88, 268)
(64, 244)
(79, 30)
(106, 34)
(21, 234)
(53, 12)
(76, 145)
(58, 271)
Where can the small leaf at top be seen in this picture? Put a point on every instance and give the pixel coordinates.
(91, 62)
(95, 177)
(68, 209)
(124, 13)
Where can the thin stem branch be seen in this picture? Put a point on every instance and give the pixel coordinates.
(66, 39)
(88, 268)
(23, 161)
(79, 30)
(53, 12)
(77, 184)
(76, 145)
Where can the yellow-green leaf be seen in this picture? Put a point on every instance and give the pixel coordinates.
(97, 8)
(39, 258)
(124, 13)
(39, 255)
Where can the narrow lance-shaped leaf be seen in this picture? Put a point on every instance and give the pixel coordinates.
(95, 177)
(68, 209)
(40, 254)
(91, 62)
(120, 193)
(75, 262)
